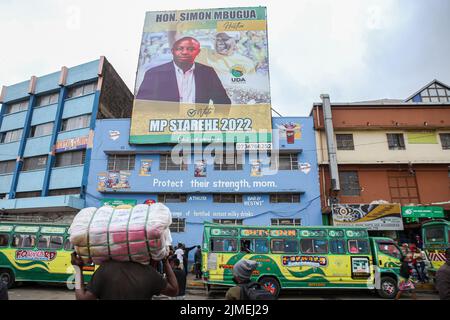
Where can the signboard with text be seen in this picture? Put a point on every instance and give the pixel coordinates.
(201, 74)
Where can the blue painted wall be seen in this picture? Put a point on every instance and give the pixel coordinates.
(111, 136)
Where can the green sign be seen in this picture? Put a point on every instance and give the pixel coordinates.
(118, 202)
(422, 212)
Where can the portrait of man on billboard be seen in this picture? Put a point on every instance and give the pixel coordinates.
(183, 80)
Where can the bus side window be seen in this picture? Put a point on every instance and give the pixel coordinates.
(284, 246)
(261, 246)
(68, 246)
(337, 246)
(44, 242)
(247, 246)
(56, 242)
(223, 245)
(24, 241)
(358, 246)
(4, 240)
(306, 245)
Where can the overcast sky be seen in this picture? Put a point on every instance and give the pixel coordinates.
(354, 50)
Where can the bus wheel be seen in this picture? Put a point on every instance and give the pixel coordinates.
(7, 277)
(388, 288)
(270, 284)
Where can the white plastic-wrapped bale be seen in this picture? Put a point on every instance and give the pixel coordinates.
(122, 234)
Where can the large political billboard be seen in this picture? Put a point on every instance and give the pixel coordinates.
(203, 76)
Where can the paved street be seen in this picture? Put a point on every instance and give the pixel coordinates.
(37, 291)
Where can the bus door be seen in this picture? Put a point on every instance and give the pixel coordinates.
(387, 254)
(221, 250)
(360, 259)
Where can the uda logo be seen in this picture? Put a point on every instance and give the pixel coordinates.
(237, 72)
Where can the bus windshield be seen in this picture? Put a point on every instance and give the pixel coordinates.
(435, 234)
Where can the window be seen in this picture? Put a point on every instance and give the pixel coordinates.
(435, 234)
(435, 93)
(396, 141)
(345, 142)
(254, 246)
(227, 198)
(23, 241)
(229, 221)
(121, 162)
(47, 99)
(403, 187)
(171, 198)
(17, 107)
(178, 225)
(349, 183)
(337, 246)
(63, 192)
(68, 246)
(34, 163)
(41, 130)
(314, 245)
(76, 123)
(81, 90)
(358, 246)
(71, 158)
(223, 245)
(286, 222)
(7, 166)
(445, 140)
(390, 249)
(29, 194)
(11, 136)
(50, 242)
(166, 164)
(284, 246)
(288, 161)
(4, 240)
(228, 161)
(285, 198)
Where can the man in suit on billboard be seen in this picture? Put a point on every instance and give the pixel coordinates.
(183, 80)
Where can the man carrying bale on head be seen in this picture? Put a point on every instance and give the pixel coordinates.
(123, 280)
(127, 243)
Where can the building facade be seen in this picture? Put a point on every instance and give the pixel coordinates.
(47, 128)
(390, 151)
(201, 188)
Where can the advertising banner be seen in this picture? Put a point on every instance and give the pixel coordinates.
(370, 216)
(118, 202)
(201, 74)
(72, 144)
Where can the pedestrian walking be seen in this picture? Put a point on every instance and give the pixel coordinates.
(198, 262)
(406, 285)
(3, 290)
(443, 278)
(181, 279)
(179, 253)
(186, 257)
(419, 264)
(116, 280)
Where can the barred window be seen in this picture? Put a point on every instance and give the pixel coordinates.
(171, 198)
(227, 198)
(11, 136)
(229, 221)
(166, 164)
(82, 90)
(118, 162)
(7, 166)
(34, 163)
(63, 192)
(47, 99)
(228, 161)
(396, 141)
(288, 161)
(345, 142)
(285, 198)
(76, 123)
(286, 222)
(445, 140)
(71, 158)
(178, 225)
(41, 130)
(349, 183)
(17, 107)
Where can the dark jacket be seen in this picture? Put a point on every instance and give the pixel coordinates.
(160, 84)
(443, 281)
(198, 256)
(3, 291)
